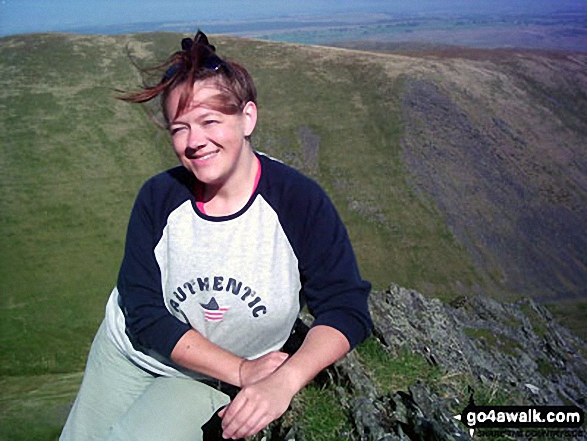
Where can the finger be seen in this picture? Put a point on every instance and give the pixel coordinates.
(279, 356)
(250, 426)
(239, 424)
(257, 422)
(233, 410)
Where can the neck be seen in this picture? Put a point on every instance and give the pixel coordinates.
(229, 197)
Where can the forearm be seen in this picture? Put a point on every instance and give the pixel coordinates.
(322, 347)
(197, 353)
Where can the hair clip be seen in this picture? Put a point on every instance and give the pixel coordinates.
(201, 38)
(210, 60)
(186, 44)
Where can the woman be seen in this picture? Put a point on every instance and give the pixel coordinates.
(221, 254)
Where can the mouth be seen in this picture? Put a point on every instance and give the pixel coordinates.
(205, 157)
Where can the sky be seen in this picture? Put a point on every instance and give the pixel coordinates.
(26, 16)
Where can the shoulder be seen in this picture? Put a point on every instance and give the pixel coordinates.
(164, 192)
(176, 180)
(304, 209)
(173, 178)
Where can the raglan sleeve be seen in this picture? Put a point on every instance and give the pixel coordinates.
(332, 286)
(149, 325)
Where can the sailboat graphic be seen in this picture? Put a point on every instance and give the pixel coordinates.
(212, 311)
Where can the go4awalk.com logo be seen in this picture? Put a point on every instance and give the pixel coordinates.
(521, 417)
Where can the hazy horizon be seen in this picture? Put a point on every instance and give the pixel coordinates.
(31, 16)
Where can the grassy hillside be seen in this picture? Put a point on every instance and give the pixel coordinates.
(72, 159)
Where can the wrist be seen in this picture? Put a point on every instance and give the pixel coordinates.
(240, 372)
(293, 376)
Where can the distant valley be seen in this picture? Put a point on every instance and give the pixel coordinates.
(564, 30)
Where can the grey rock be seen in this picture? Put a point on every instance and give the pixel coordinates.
(516, 349)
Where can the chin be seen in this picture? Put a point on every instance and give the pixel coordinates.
(207, 178)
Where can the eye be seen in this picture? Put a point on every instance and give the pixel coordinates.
(210, 122)
(176, 129)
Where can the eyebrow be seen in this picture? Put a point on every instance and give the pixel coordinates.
(210, 112)
(211, 103)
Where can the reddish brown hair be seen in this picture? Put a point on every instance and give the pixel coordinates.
(197, 61)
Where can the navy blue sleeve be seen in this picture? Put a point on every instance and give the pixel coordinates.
(332, 286)
(149, 325)
(334, 291)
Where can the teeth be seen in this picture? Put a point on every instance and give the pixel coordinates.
(209, 155)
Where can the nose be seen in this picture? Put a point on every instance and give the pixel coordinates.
(190, 152)
(196, 139)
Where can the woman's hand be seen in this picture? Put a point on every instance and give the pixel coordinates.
(265, 400)
(252, 371)
(255, 406)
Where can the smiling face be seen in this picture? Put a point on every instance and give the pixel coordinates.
(211, 144)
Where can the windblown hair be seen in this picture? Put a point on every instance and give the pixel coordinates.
(197, 61)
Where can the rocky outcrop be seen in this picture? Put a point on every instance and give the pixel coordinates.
(516, 346)
(514, 351)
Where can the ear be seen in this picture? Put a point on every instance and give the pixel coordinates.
(250, 115)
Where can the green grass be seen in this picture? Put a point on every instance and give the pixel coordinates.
(320, 418)
(34, 408)
(391, 373)
(572, 313)
(72, 160)
(497, 341)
